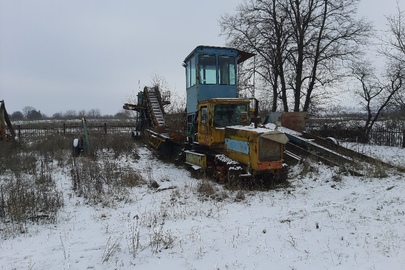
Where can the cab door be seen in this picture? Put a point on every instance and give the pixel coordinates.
(204, 133)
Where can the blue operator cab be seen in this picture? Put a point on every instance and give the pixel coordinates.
(211, 72)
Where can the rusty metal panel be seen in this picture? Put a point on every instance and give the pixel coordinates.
(292, 120)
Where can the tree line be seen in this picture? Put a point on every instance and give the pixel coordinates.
(30, 113)
(176, 104)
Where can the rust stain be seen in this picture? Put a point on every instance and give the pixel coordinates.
(294, 120)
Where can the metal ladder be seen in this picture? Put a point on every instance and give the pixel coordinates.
(155, 107)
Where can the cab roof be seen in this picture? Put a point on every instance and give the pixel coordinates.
(242, 55)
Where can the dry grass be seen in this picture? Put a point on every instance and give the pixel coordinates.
(28, 192)
(206, 189)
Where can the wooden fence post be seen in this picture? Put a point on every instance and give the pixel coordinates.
(64, 129)
(105, 128)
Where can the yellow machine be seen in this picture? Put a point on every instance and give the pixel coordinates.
(219, 137)
(230, 147)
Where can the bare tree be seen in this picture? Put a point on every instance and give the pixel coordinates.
(82, 113)
(58, 115)
(396, 38)
(27, 110)
(94, 113)
(379, 92)
(123, 114)
(161, 82)
(171, 100)
(31, 113)
(394, 51)
(72, 114)
(301, 45)
(259, 27)
(376, 95)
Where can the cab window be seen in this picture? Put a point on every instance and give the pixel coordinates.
(227, 70)
(229, 114)
(204, 115)
(191, 73)
(207, 69)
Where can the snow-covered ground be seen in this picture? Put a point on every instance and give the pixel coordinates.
(324, 220)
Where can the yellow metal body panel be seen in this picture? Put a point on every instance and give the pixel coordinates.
(244, 139)
(196, 159)
(244, 146)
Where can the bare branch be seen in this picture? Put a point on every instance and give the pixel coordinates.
(300, 44)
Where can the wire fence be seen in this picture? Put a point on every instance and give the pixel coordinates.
(379, 135)
(70, 129)
(388, 137)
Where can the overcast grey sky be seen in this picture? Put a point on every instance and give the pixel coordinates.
(59, 55)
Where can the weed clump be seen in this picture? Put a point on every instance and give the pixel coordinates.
(206, 189)
(103, 180)
(27, 199)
